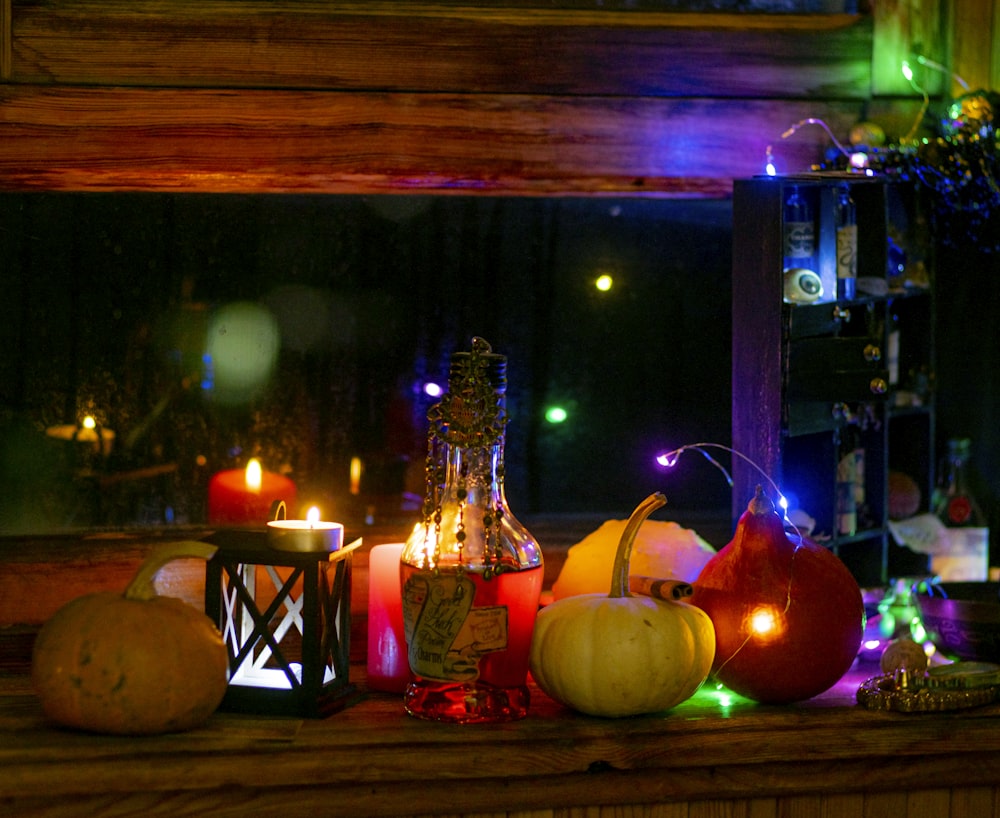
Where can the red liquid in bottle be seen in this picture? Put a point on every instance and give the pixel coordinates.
(483, 660)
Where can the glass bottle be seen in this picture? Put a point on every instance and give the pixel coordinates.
(954, 504)
(847, 244)
(471, 573)
(850, 478)
(800, 231)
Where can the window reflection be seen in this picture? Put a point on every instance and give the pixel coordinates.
(198, 331)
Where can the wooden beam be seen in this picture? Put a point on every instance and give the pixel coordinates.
(976, 45)
(6, 40)
(398, 46)
(64, 138)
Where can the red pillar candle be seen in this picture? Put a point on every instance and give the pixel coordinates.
(388, 668)
(245, 496)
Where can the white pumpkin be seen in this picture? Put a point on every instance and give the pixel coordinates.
(622, 655)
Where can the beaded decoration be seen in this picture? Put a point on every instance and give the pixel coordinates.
(471, 417)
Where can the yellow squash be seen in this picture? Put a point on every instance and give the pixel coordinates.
(622, 655)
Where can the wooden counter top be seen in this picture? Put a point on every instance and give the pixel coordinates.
(705, 757)
(827, 757)
(710, 756)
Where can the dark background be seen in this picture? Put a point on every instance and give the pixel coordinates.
(108, 298)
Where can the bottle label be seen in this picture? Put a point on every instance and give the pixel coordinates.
(847, 251)
(966, 557)
(445, 634)
(800, 239)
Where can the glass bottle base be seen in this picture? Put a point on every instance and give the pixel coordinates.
(465, 703)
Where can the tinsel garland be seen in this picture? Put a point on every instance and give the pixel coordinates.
(960, 166)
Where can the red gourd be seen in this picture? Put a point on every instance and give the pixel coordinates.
(788, 615)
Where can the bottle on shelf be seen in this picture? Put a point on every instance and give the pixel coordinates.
(471, 573)
(800, 231)
(892, 350)
(850, 477)
(967, 553)
(847, 244)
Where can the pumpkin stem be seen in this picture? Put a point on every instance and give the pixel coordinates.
(141, 587)
(760, 504)
(619, 571)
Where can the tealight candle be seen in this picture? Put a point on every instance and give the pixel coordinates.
(311, 535)
(388, 667)
(87, 433)
(246, 496)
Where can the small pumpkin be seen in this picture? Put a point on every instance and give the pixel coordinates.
(617, 654)
(788, 615)
(133, 663)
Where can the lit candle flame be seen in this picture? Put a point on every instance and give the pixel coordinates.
(312, 516)
(355, 475)
(88, 422)
(254, 475)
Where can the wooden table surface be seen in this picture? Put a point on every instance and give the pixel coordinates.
(372, 759)
(714, 755)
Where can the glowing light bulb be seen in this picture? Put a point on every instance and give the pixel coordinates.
(764, 622)
(89, 422)
(556, 414)
(907, 71)
(604, 282)
(769, 167)
(433, 390)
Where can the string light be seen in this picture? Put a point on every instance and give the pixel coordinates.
(908, 74)
(669, 459)
(936, 66)
(604, 283)
(769, 167)
(556, 414)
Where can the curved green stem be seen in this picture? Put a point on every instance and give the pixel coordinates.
(141, 587)
(619, 571)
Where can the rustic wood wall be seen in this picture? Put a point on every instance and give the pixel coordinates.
(396, 96)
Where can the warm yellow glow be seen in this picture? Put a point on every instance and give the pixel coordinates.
(356, 475)
(765, 622)
(254, 475)
(604, 283)
(89, 422)
(440, 545)
(427, 549)
(312, 515)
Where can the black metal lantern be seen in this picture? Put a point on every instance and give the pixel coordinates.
(286, 619)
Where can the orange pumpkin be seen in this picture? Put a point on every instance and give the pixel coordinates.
(133, 664)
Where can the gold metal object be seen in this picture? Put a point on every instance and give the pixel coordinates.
(949, 687)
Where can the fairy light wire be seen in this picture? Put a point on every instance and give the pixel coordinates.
(769, 152)
(936, 66)
(670, 459)
(908, 74)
